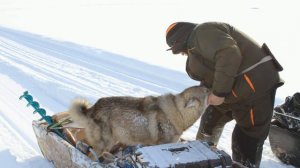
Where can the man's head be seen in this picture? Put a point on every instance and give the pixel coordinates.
(177, 35)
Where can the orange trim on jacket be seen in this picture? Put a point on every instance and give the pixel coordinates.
(249, 82)
(252, 116)
(170, 28)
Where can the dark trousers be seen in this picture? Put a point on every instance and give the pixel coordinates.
(251, 129)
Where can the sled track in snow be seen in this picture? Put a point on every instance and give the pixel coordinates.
(110, 66)
(51, 69)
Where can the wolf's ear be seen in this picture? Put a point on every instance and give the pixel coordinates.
(191, 103)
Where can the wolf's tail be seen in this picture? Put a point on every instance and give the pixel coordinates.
(78, 110)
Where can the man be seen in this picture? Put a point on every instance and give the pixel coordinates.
(243, 77)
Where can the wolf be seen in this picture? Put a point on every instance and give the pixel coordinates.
(146, 120)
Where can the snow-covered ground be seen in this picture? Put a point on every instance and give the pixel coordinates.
(62, 49)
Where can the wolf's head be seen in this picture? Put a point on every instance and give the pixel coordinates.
(191, 104)
(195, 97)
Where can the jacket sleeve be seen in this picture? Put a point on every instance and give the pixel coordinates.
(220, 48)
(227, 61)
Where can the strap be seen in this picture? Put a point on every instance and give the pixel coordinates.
(286, 115)
(263, 60)
(63, 127)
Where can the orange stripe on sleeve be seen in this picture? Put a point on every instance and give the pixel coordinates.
(252, 116)
(249, 82)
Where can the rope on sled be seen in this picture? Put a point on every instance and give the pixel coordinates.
(286, 115)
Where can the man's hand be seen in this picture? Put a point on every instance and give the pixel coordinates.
(214, 100)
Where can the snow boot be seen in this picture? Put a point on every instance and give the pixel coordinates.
(245, 149)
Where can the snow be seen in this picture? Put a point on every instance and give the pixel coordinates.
(62, 49)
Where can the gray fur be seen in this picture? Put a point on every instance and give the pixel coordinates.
(130, 120)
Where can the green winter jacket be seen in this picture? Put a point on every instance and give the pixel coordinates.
(218, 52)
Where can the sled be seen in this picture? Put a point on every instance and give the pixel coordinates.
(285, 144)
(188, 154)
(64, 144)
